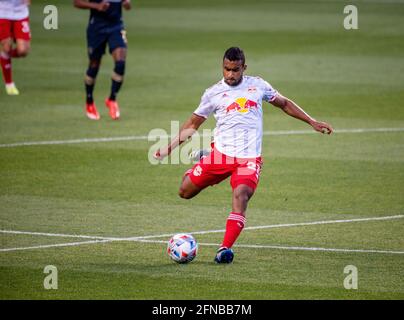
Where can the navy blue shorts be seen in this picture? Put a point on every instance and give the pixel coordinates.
(97, 40)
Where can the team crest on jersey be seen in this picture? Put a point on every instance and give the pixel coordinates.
(241, 105)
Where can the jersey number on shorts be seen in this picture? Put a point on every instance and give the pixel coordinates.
(25, 27)
(255, 167)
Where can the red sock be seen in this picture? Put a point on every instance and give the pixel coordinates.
(234, 225)
(5, 62)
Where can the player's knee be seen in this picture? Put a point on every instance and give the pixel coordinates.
(5, 47)
(94, 64)
(182, 194)
(185, 194)
(242, 196)
(91, 73)
(23, 52)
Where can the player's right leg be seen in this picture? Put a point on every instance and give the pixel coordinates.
(210, 170)
(6, 42)
(188, 189)
(91, 75)
(96, 43)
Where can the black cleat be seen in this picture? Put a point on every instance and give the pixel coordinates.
(224, 255)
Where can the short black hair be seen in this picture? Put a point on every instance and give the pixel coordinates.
(234, 54)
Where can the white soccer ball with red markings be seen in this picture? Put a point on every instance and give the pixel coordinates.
(182, 248)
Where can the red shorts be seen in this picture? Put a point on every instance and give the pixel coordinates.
(216, 167)
(15, 29)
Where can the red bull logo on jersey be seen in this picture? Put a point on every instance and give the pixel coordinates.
(242, 105)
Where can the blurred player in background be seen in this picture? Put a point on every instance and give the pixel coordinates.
(15, 37)
(105, 27)
(236, 102)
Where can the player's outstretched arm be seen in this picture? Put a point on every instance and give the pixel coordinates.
(85, 4)
(187, 130)
(127, 4)
(292, 109)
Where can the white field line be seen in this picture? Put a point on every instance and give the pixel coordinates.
(69, 244)
(254, 246)
(60, 235)
(154, 138)
(100, 239)
(277, 226)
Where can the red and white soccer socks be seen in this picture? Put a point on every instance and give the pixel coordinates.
(5, 62)
(234, 225)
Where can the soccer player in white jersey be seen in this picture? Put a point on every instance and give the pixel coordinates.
(15, 37)
(236, 103)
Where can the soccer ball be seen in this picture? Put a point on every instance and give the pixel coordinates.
(182, 248)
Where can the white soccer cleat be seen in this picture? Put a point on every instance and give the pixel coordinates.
(11, 89)
(197, 155)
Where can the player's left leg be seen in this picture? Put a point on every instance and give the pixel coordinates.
(118, 47)
(89, 83)
(119, 56)
(22, 48)
(237, 218)
(6, 43)
(235, 222)
(244, 181)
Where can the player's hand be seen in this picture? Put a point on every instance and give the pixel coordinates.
(160, 154)
(27, 2)
(127, 4)
(103, 6)
(322, 127)
(157, 155)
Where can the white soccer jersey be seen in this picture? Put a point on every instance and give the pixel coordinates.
(13, 9)
(238, 112)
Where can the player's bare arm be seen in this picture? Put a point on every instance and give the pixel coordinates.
(292, 109)
(126, 4)
(187, 130)
(84, 4)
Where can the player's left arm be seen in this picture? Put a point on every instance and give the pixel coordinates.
(292, 109)
(27, 2)
(127, 4)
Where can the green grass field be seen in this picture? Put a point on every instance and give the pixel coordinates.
(352, 79)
